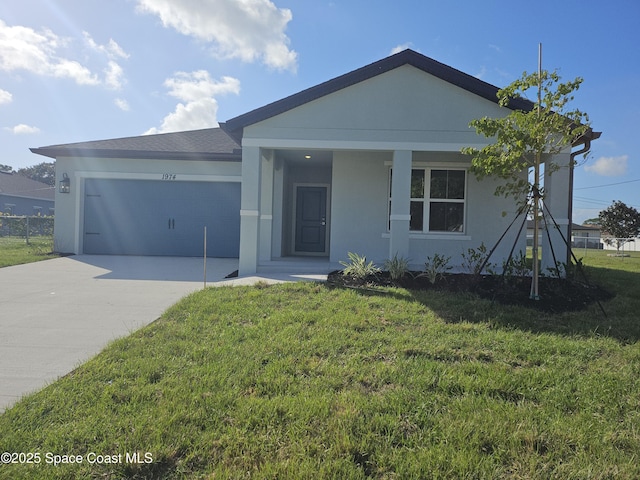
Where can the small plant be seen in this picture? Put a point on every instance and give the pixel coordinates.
(358, 268)
(517, 266)
(473, 261)
(397, 267)
(574, 268)
(435, 267)
(559, 271)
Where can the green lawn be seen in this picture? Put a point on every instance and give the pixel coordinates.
(306, 381)
(16, 251)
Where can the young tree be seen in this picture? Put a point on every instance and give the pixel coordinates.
(621, 222)
(528, 136)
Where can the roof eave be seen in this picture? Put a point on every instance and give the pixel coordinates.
(56, 152)
(586, 138)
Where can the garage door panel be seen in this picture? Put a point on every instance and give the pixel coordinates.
(135, 217)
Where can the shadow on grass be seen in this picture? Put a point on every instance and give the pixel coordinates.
(606, 306)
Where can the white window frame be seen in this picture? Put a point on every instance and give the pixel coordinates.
(426, 200)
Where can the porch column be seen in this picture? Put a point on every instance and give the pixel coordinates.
(557, 191)
(249, 211)
(266, 205)
(400, 201)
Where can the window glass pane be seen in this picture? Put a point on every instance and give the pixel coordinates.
(417, 183)
(437, 221)
(438, 184)
(417, 214)
(446, 217)
(455, 184)
(447, 184)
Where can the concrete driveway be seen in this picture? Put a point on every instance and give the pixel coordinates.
(56, 314)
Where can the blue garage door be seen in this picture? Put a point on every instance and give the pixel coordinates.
(139, 217)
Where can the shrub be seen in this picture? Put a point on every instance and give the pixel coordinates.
(397, 267)
(517, 266)
(358, 267)
(474, 260)
(435, 267)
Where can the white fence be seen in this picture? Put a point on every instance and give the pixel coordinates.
(629, 245)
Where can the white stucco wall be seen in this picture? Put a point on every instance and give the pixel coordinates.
(69, 221)
(405, 108)
(359, 213)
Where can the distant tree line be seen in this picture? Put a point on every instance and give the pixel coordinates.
(43, 172)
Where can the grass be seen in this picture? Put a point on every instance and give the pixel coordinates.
(305, 381)
(16, 251)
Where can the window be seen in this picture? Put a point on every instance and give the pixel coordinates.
(437, 200)
(446, 201)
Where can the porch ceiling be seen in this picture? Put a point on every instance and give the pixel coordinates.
(306, 157)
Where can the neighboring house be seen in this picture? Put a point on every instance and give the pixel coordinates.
(586, 236)
(368, 162)
(582, 236)
(20, 195)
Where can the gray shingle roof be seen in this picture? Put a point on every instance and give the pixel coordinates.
(20, 186)
(207, 144)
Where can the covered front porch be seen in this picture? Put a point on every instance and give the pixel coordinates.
(318, 205)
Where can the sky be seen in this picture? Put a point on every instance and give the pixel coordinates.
(80, 70)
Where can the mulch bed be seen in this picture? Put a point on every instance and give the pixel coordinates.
(556, 294)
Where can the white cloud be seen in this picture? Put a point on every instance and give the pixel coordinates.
(5, 97)
(200, 108)
(43, 53)
(196, 85)
(609, 166)
(122, 104)
(251, 30)
(22, 48)
(23, 129)
(401, 47)
(481, 73)
(192, 116)
(113, 76)
(112, 50)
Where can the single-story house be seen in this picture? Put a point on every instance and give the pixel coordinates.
(368, 162)
(582, 236)
(20, 195)
(586, 236)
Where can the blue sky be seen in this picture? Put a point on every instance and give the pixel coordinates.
(77, 70)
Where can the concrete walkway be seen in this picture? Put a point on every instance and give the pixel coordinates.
(56, 314)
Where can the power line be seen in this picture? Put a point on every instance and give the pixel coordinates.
(595, 201)
(608, 184)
